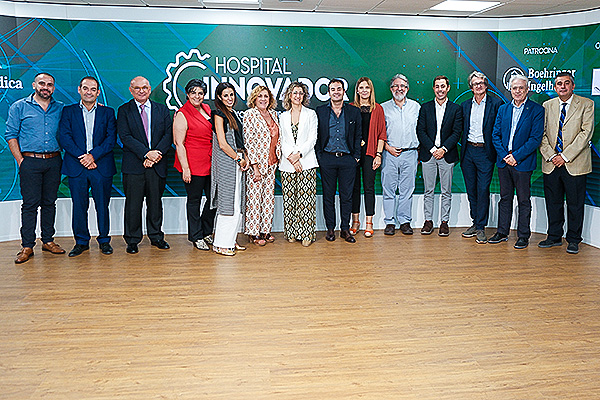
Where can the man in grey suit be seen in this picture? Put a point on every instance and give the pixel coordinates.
(566, 161)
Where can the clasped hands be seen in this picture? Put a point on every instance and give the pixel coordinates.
(87, 160)
(294, 159)
(510, 160)
(151, 158)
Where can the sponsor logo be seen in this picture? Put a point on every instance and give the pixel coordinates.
(540, 50)
(597, 45)
(509, 74)
(6, 82)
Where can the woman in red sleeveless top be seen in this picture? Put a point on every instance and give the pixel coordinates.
(192, 134)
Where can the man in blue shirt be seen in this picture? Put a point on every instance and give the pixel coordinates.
(31, 133)
(338, 152)
(517, 134)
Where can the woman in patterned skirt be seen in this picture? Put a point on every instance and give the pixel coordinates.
(298, 165)
(261, 137)
(373, 140)
(228, 164)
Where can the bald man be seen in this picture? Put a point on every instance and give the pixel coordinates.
(145, 129)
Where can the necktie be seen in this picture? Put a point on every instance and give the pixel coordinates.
(561, 122)
(145, 121)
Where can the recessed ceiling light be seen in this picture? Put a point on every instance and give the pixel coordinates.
(230, 1)
(464, 5)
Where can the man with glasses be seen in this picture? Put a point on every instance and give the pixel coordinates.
(399, 161)
(517, 135)
(478, 155)
(145, 129)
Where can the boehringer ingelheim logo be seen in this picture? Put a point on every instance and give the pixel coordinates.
(509, 73)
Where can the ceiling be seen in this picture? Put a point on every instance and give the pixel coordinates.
(508, 8)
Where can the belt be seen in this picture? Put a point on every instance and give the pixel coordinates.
(337, 153)
(475, 144)
(407, 148)
(40, 155)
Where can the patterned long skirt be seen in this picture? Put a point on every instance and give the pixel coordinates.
(299, 204)
(260, 202)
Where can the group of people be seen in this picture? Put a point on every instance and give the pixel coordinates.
(231, 159)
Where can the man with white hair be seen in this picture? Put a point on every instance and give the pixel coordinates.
(399, 161)
(517, 135)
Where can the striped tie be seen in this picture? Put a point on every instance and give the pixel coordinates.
(561, 122)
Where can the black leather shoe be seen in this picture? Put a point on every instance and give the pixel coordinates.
(161, 244)
(497, 238)
(390, 230)
(345, 234)
(573, 248)
(78, 249)
(132, 248)
(544, 244)
(106, 248)
(521, 243)
(406, 229)
(330, 236)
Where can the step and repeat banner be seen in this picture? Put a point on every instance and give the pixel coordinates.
(170, 54)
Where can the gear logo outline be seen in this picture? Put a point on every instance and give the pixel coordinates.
(194, 58)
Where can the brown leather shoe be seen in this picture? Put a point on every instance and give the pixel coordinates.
(53, 248)
(406, 229)
(427, 228)
(444, 229)
(24, 255)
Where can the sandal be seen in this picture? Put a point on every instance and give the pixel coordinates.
(224, 251)
(369, 231)
(257, 240)
(267, 237)
(239, 247)
(355, 226)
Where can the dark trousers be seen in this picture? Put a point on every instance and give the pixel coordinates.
(199, 226)
(368, 180)
(477, 172)
(334, 171)
(511, 180)
(557, 184)
(40, 179)
(101, 187)
(137, 187)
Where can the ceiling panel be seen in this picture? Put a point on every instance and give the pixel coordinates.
(305, 5)
(404, 7)
(353, 6)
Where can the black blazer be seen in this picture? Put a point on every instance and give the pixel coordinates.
(489, 118)
(135, 144)
(452, 126)
(353, 129)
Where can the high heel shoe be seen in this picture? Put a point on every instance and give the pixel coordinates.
(355, 227)
(368, 229)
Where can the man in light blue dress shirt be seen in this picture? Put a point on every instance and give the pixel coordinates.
(31, 133)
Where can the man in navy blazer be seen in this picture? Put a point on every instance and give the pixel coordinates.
(439, 128)
(339, 134)
(145, 129)
(87, 133)
(517, 135)
(478, 155)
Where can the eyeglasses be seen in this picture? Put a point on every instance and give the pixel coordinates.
(399, 86)
(476, 84)
(140, 88)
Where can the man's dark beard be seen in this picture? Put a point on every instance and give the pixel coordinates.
(46, 95)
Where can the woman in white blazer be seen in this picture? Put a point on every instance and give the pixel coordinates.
(298, 165)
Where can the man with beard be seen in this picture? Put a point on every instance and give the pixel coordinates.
(399, 164)
(338, 152)
(31, 133)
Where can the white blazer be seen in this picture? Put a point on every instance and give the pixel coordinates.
(305, 142)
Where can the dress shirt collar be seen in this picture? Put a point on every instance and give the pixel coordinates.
(83, 107)
(482, 100)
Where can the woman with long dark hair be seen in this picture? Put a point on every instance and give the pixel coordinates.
(229, 161)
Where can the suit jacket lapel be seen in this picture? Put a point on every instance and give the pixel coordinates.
(524, 116)
(573, 108)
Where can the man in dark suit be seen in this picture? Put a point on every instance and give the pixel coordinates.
(145, 129)
(517, 135)
(338, 152)
(478, 155)
(439, 128)
(87, 133)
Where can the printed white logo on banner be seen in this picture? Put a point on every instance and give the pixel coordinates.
(596, 82)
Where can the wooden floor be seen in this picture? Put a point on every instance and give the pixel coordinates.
(387, 318)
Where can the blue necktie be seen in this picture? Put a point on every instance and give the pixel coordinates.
(561, 122)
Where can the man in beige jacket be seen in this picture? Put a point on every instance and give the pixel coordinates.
(566, 153)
